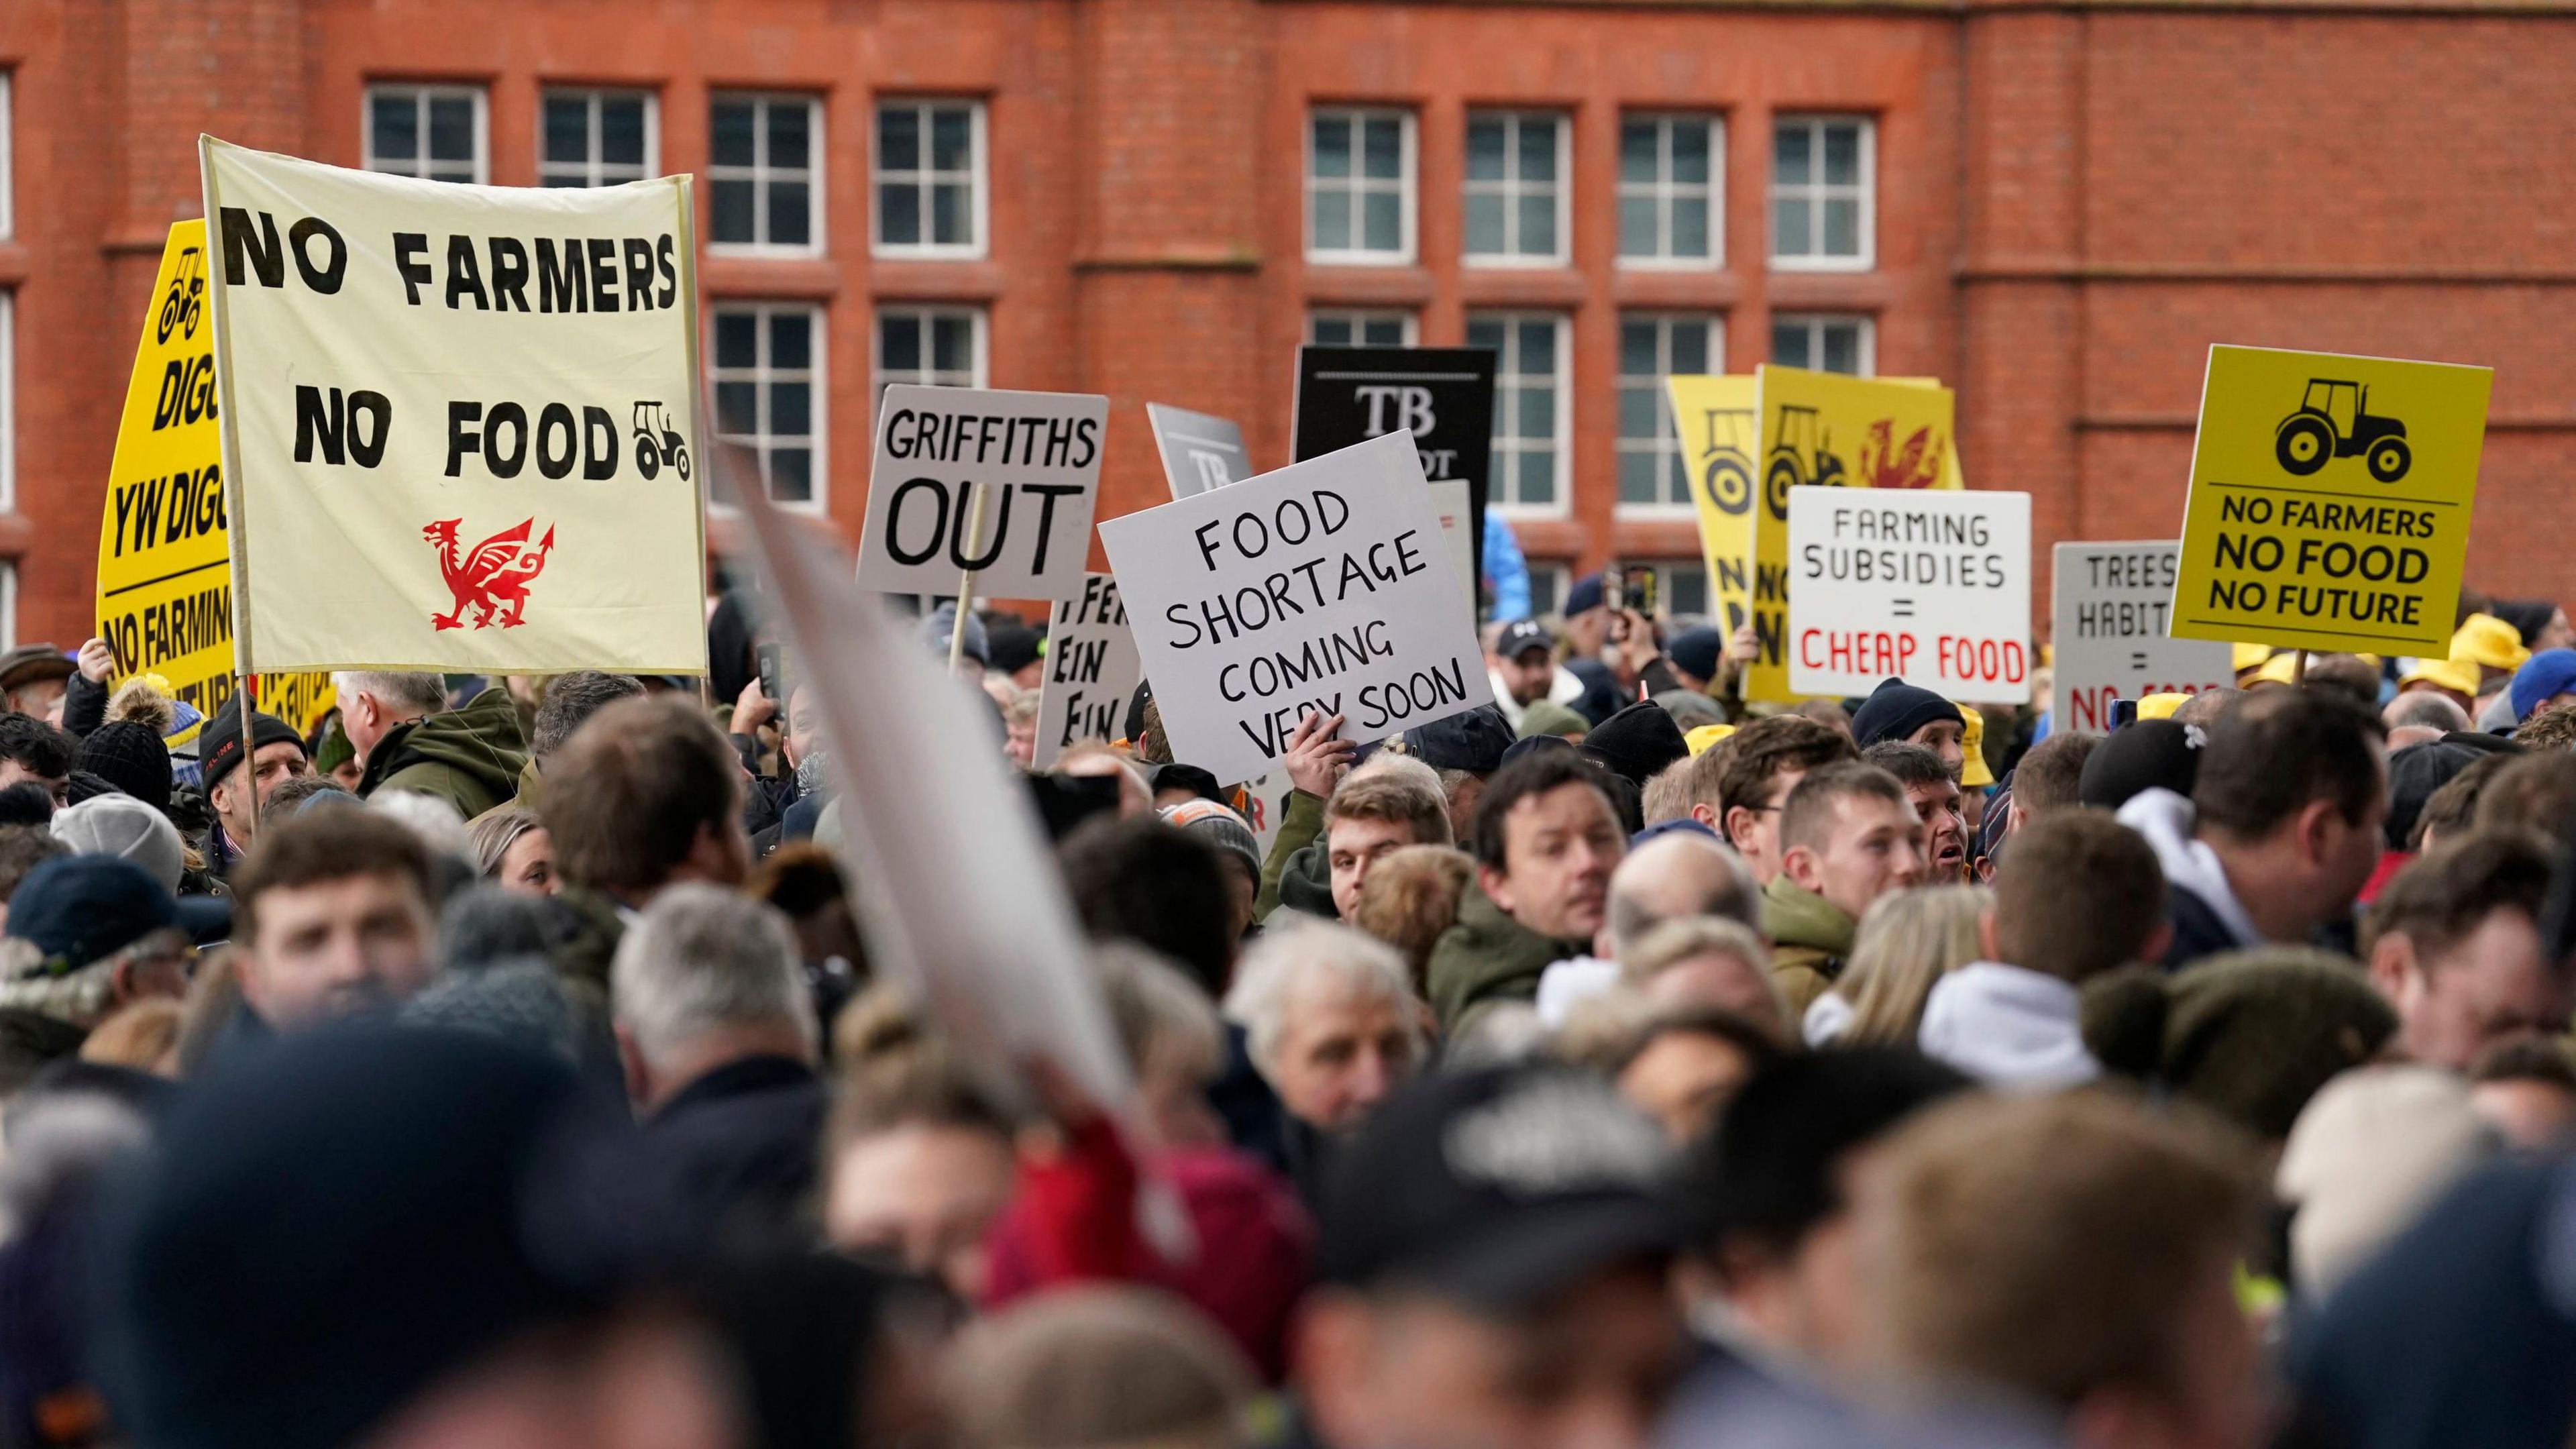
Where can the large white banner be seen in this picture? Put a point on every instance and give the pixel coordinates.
(1323, 586)
(1091, 671)
(1032, 457)
(2113, 603)
(1929, 587)
(459, 422)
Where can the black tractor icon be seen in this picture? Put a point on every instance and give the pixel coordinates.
(2334, 421)
(657, 443)
(1728, 479)
(185, 302)
(1799, 457)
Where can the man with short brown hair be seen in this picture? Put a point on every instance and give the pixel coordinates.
(2453, 942)
(646, 794)
(1765, 761)
(2071, 1257)
(331, 912)
(1370, 816)
(1848, 835)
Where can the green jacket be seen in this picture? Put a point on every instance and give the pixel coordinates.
(1810, 936)
(468, 757)
(1488, 958)
(1301, 823)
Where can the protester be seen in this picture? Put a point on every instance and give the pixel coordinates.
(2067, 1258)
(651, 797)
(2453, 942)
(1369, 817)
(2282, 828)
(513, 849)
(238, 795)
(2050, 777)
(1521, 665)
(1706, 961)
(1693, 788)
(1907, 942)
(34, 752)
(2374, 1149)
(1546, 840)
(132, 758)
(331, 913)
(407, 739)
(1485, 1223)
(1235, 845)
(1094, 1366)
(32, 680)
(91, 934)
(1159, 886)
(2525, 1089)
(570, 700)
(123, 826)
(1675, 876)
(2138, 757)
(2079, 898)
(1332, 1022)
(1932, 787)
(2546, 680)
(1910, 714)
(1411, 899)
(1848, 836)
(1765, 761)
(918, 1168)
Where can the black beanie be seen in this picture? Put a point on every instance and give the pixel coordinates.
(2149, 754)
(2414, 773)
(1896, 709)
(1637, 742)
(219, 744)
(132, 758)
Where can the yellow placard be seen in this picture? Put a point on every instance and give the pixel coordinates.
(1826, 429)
(1713, 420)
(164, 579)
(2330, 499)
(1953, 479)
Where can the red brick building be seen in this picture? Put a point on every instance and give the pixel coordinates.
(2056, 205)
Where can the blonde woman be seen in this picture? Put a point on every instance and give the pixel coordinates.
(1907, 941)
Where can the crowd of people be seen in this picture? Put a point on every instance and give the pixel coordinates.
(499, 1062)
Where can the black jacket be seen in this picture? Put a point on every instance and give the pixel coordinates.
(734, 1154)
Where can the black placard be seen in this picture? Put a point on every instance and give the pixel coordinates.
(1444, 395)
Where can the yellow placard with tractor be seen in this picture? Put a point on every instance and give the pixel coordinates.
(1713, 421)
(1823, 429)
(2330, 499)
(164, 578)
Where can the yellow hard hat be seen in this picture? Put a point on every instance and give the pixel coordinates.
(2160, 706)
(2249, 656)
(2487, 640)
(1973, 774)
(2460, 676)
(1706, 735)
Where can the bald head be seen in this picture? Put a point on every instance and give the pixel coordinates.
(1675, 876)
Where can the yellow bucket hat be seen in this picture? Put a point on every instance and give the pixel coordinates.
(2160, 706)
(1700, 739)
(2249, 656)
(1973, 774)
(2487, 640)
(2460, 676)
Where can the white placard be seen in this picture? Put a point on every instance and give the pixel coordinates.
(1322, 586)
(1929, 587)
(1091, 671)
(1457, 528)
(2112, 605)
(1036, 457)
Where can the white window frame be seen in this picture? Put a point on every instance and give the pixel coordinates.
(923, 178)
(1814, 194)
(8, 157)
(1510, 189)
(1817, 322)
(1408, 186)
(8, 399)
(1563, 433)
(928, 313)
(1557, 569)
(761, 174)
(8, 603)
(1667, 193)
(760, 374)
(422, 93)
(1358, 317)
(592, 169)
(1666, 443)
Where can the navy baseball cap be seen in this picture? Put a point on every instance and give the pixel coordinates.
(83, 908)
(1585, 596)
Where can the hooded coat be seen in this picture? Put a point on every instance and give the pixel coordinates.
(469, 757)
(1810, 936)
(1486, 958)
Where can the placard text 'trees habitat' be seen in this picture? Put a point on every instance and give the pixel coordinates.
(2113, 605)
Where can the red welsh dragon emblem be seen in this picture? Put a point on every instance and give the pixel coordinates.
(496, 572)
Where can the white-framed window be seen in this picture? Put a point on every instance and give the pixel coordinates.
(1654, 346)
(8, 167)
(8, 603)
(764, 156)
(929, 168)
(589, 137)
(8, 400)
(933, 346)
(1361, 327)
(1517, 164)
(1359, 185)
(1672, 208)
(1547, 587)
(767, 367)
(439, 133)
(1825, 342)
(1681, 586)
(1824, 173)
(1532, 408)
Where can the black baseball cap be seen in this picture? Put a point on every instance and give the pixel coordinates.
(1498, 1188)
(1522, 635)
